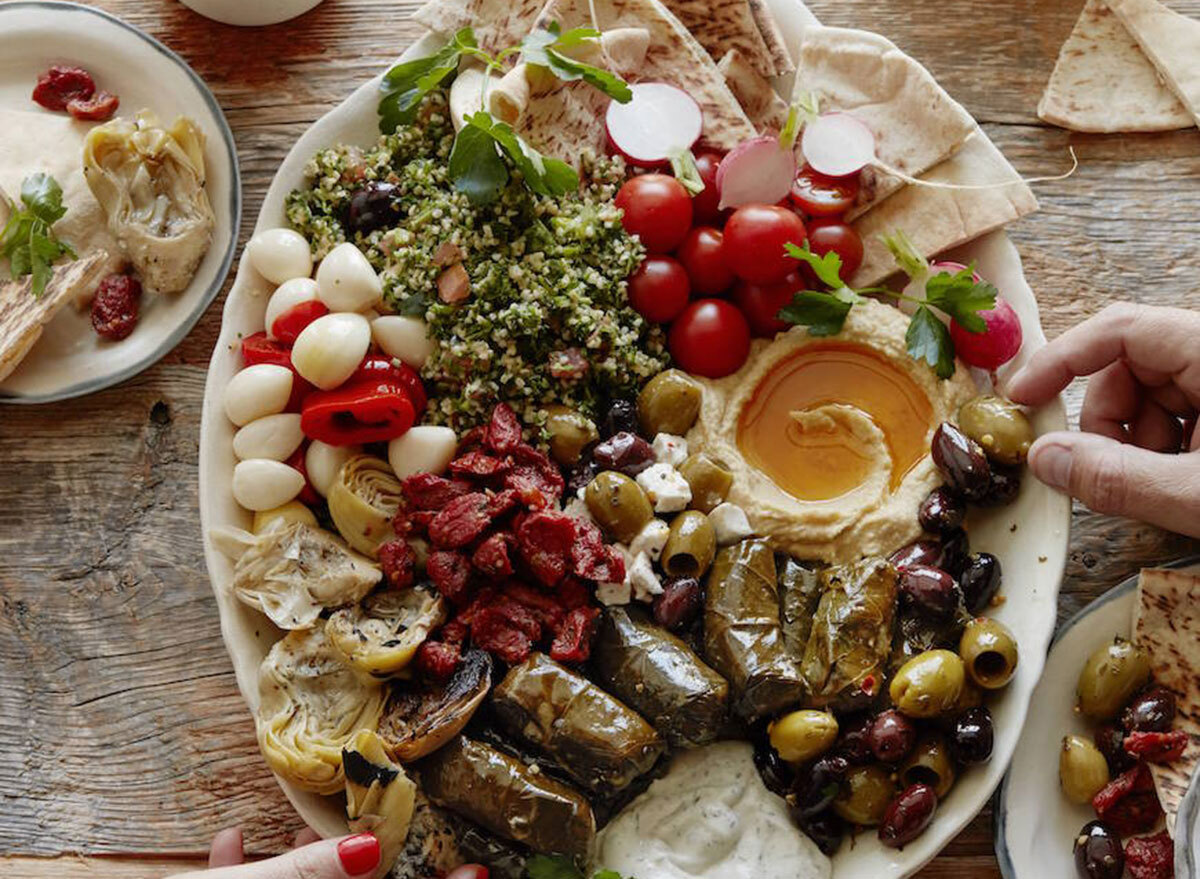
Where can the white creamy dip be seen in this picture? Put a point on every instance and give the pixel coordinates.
(710, 817)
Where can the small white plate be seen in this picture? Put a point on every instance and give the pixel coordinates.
(70, 359)
(1035, 825)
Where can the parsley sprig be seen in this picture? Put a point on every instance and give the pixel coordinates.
(955, 294)
(561, 867)
(27, 241)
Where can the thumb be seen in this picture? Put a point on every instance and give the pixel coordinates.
(351, 857)
(1122, 479)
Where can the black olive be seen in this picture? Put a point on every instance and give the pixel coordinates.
(1098, 852)
(624, 452)
(678, 604)
(942, 510)
(817, 785)
(375, 206)
(827, 830)
(1003, 488)
(922, 552)
(908, 815)
(972, 737)
(956, 553)
(777, 774)
(620, 417)
(1110, 741)
(962, 461)
(931, 590)
(854, 742)
(1152, 710)
(582, 472)
(980, 581)
(892, 736)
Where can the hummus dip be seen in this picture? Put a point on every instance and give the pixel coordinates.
(828, 438)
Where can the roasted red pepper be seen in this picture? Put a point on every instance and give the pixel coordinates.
(358, 413)
(290, 324)
(377, 368)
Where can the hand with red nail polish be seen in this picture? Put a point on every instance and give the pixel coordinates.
(351, 857)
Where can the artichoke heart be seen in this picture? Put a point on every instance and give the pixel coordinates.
(380, 798)
(292, 572)
(362, 501)
(381, 635)
(150, 182)
(311, 704)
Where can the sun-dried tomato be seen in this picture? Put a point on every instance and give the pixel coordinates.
(438, 659)
(454, 632)
(420, 521)
(60, 85)
(492, 631)
(472, 440)
(98, 108)
(1128, 803)
(426, 491)
(536, 477)
(544, 540)
(518, 615)
(115, 307)
(543, 605)
(460, 521)
(481, 599)
(491, 556)
(399, 563)
(592, 558)
(450, 572)
(572, 593)
(503, 432)
(573, 643)
(478, 465)
(503, 503)
(1150, 857)
(1157, 747)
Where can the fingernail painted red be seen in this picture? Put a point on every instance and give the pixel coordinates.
(359, 854)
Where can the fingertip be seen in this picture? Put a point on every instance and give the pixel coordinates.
(227, 848)
(1050, 459)
(307, 836)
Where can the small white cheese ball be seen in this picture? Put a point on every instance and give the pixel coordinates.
(666, 488)
(347, 281)
(669, 449)
(259, 484)
(642, 578)
(274, 437)
(651, 540)
(287, 296)
(405, 338)
(280, 255)
(323, 461)
(730, 524)
(329, 349)
(426, 448)
(256, 391)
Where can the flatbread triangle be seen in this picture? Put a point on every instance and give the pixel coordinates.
(1171, 41)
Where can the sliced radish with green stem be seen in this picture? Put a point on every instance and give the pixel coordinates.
(659, 125)
(758, 171)
(837, 145)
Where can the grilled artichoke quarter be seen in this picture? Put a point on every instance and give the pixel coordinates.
(362, 501)
(379, 797)
(381, 635)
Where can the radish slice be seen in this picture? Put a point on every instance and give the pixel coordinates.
(758, 171)
(837, 145)
(659, 123)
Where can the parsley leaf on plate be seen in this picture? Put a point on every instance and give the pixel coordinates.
(475, 166)
(961, 297)
(828, 268)
(27, 241)
(544, 175)
(823, 313)
(548, 47)
(407, 84)
(929, 340)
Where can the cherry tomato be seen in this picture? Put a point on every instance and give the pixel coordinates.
(289, 324)
(704, 203)
(996, 345)
(754, 240)
(821, 196)
(702, 257)
(657, 209)
(711, 338)
(469, 871)
(827, 235)
(761, 303)
(659, 289)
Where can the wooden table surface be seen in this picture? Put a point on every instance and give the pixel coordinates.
(124, 744)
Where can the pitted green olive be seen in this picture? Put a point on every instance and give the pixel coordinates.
(929, 764)
(569, 433)
(669, 403)
(803, 735)
(929, 684)
(709, 481)
(866, 792)
(989, 651)
(1082, 769)
(999, 426)
(1110, 677)
(691, 545)
(618, 505)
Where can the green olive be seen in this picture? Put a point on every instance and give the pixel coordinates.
(709, 481)
(989, 651)
(929, 684)
(669, 403)
(803, 735)
(569, 433)
(999, 426)
(618, 505)
(1110, 677)
(691, 545)
(1082, 769)
(930, 764)
(866, 792)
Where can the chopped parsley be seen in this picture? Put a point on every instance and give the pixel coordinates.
(27, 241)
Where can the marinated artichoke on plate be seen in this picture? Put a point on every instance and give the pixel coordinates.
(293, 572)
(362, 501)
(150, 182)
(311, 705)
(381, 635)
(418, 719)
(379, 797)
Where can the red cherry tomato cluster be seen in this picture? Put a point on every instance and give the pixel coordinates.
(718, 277)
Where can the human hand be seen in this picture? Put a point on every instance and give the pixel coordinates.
(351, 857)
(1138, 453)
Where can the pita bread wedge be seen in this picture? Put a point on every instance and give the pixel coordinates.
(917, 124)
(773, 36)
(1171, 41)
(1103, 82)
(1166, 624)
(721, 25)
(939, 219)
(497, 24)
(756, 95)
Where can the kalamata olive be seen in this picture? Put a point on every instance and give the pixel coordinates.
(678, 604)
(817, 784)
(624, 452)
(854, 742)
(584, 471)
(922, 552)
(942, 510)
(956, 553)
(891, 736)
(1110, 741)
(621, 417)
(931, 590)
(373, 207)
(980, 581)
(777, 774)
(1004, 487)
(1098, 852)
(1152, 710)
(908, 815)
(972, 736)
(827, 830)
(961, 460)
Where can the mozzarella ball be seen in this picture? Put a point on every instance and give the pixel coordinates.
(273, 436)
(347, 281)
(288, 514)
(259, 484)
(323, 461)
(287, 296)
(280, 255)
(425, 448)
(256, 391)
(329, 349)
(405, 338)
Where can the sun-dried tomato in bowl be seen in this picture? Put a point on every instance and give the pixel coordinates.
(64, 89)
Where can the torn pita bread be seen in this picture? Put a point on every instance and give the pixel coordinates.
(1103, 82)
(497, 24)
(939, 219)
(917, 125)
(23, 316)
(722, 25)
(1171, 41)
(772, 35)
(756, 95)
(1166, 624)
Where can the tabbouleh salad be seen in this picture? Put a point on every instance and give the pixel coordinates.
(546, 319)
